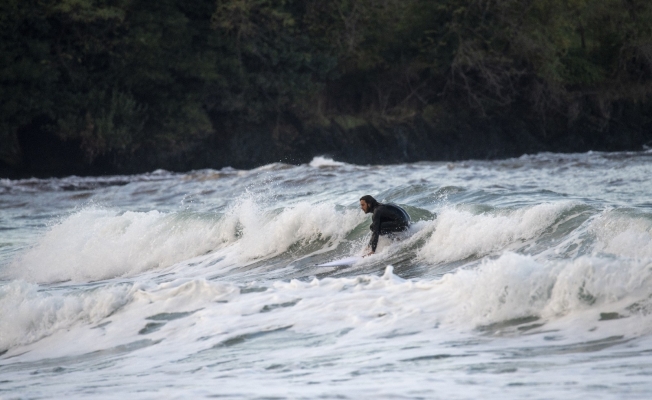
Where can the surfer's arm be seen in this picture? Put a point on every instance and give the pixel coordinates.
(373, 242)
(375, 232)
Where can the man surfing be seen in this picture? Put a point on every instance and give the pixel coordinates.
(386, 218)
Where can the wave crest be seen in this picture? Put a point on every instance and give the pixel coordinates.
(460, 234)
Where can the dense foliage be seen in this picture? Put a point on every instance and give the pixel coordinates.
(119, 75)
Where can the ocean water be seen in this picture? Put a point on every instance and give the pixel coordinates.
(523, 277)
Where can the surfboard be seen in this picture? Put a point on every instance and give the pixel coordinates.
(341, 262)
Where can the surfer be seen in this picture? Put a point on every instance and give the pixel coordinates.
(387, 218)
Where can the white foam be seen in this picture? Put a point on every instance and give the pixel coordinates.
(459, 234)
(564, 295)
(35, 314)
(320, 161)
(98, 244)
(511, 287)
(256, 233)
(516, 286)
(623, 234)
(29, 314)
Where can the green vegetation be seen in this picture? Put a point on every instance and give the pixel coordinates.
(115, 76)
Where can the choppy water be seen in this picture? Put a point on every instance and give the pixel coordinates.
(529, 276)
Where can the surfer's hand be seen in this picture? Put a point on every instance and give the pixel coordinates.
(368, 254)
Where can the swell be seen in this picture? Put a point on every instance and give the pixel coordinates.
(96, 243)
(588, 297)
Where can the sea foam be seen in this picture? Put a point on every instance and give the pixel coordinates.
(35, 314)
(516, 286)
(623, 233)
(257, 233)
(95, 244)
(321, 161)
(459, 234)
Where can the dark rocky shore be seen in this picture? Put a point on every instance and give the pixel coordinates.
(346, 138)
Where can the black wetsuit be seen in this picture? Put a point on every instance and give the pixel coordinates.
(387, 218)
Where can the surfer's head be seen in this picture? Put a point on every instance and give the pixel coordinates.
(367, 204)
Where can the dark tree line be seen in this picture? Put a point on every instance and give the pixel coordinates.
(116, 76)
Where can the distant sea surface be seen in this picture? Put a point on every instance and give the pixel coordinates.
(522, 277)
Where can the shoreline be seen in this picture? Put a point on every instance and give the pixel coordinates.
(343, 138)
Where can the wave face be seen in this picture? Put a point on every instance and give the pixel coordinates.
(521, 275)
